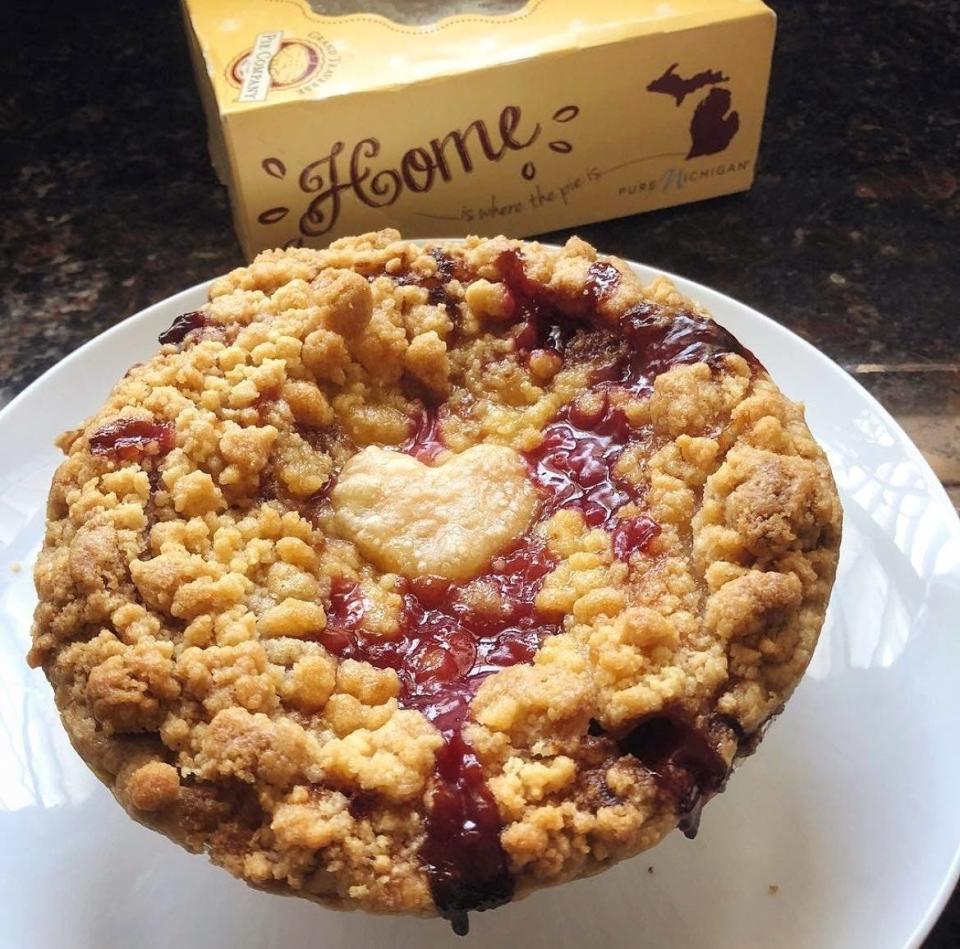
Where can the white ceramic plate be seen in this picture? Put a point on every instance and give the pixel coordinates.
(850, 808)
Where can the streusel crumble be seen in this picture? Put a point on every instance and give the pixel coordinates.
(415, 578)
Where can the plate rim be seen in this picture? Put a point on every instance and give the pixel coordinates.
(939, 899)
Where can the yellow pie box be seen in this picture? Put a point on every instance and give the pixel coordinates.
(448, 117)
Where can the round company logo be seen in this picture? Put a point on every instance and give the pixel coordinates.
(295, 62)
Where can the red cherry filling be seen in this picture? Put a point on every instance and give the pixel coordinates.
(683, 760)
(602, 280)
(632, 534)
(426, 442)
(130, 439)
(574, 464)
(436, 285)
(184, 324)
(660, 337)
(453, 635)
(467, 866)
(661, 340)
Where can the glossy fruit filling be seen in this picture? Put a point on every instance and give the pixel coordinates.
(453, 635)
(683, 761)
(132, 439)
(182, 326)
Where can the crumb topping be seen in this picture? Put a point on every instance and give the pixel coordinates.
(387, 542)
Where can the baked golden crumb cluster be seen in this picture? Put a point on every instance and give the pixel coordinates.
(415, 578)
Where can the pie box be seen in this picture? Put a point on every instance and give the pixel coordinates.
(446, 117)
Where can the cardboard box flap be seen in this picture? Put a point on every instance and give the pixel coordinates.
(318, 49)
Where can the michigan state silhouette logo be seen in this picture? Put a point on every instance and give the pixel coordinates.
(712, 126)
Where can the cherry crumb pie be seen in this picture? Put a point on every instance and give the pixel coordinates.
(412, 579)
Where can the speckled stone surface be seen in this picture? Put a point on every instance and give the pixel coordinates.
(849, 237)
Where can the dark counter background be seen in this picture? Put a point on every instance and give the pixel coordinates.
(849, 237)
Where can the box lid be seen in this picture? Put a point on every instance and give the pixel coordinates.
(260, 52)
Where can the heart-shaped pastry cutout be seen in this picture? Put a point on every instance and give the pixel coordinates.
(445, 521)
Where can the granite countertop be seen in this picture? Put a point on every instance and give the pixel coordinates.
(849, 236)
